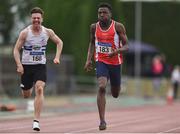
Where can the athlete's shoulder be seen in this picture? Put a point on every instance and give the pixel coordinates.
(49, 31)
(93, 25)
(119, 26)
(24, 32)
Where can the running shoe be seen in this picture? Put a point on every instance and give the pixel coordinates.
(102, 125)
(36, 125)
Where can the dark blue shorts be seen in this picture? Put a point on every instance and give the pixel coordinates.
(112, 72)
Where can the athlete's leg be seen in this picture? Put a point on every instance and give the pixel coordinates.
(39, 97)
(40, 80)
(102, 77)
(101, 100)
(175, 87)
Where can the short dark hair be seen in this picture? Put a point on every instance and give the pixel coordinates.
(105, 5)
(37, 10)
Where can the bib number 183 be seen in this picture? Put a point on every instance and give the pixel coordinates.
(104, 49)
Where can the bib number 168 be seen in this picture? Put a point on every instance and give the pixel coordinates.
(37, 58)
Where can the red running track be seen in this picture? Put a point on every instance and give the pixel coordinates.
(142, 119)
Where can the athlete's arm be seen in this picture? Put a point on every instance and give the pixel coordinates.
(59, 44)
(16, 52)
(88, 65)
(122, 38)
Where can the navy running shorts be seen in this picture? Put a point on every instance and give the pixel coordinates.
(112, 72)
(32, 73)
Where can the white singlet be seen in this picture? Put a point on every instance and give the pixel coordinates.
(34, 49)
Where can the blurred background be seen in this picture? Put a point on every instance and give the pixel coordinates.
(152, 28)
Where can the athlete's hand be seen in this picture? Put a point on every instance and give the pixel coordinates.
(114, 52)
(88, 66)
(56, 61)
(20, 69)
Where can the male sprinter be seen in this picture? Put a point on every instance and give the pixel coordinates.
(32, 67)
(107, 42)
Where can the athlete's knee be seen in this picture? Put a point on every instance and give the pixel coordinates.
(39, 90)
(26, 95)
(39, 87)
(102, 81)
(115, 95)
(102, 86)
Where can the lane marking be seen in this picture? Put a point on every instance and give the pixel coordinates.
(167, 131)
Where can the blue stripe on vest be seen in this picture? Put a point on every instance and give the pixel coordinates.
(36, 53)
(104, 44)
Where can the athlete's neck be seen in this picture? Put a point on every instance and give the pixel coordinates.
(105, 24)
(36, 29)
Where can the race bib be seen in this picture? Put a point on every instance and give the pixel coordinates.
(104, 49)
(37, 57)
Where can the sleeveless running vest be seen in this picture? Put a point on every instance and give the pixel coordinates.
(105, 42)
(34, 49)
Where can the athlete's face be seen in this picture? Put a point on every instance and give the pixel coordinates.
(36, 19)
(104, 14)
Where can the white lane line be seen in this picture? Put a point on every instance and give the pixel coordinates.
(24, 126)
(29, 125)
(169, 131)
(20, 127)
(116, 124)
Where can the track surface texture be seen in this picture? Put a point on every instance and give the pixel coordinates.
(79, 115)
